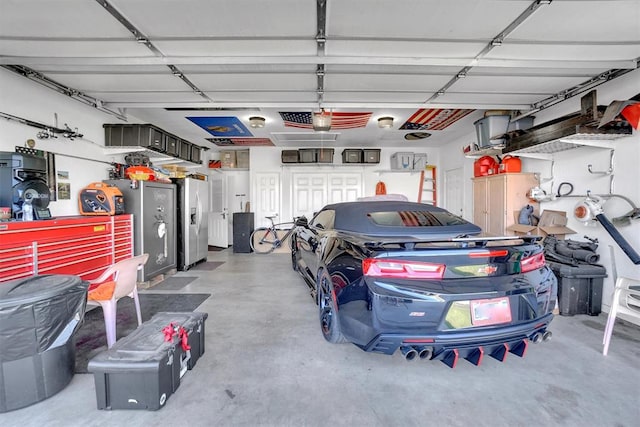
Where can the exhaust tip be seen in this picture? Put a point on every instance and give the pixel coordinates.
(537, 338)
(547, 335)
(409, 353)
(424, 353)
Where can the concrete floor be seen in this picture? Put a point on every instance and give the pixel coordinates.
(266, 364)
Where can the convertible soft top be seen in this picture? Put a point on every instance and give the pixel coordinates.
(393, 218)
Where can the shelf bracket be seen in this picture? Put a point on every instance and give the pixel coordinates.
(608, 171)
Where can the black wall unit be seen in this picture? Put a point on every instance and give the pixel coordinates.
(195, 154)
(151, 137)
(134, 136)
(242, 229)
(185, 150)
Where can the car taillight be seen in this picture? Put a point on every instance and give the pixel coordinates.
(532, 263)
(376, 267)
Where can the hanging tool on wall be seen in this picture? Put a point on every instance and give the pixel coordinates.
(591, 208)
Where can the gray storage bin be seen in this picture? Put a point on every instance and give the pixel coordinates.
(490, 126)
(402, 161)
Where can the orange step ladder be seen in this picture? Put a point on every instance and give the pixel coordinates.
(428, 186)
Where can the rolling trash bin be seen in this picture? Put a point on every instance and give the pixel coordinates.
(579, 288)
(39, 316)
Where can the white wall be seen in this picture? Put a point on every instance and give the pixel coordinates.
(571, 166)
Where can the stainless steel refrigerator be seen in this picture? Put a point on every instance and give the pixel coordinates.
(193, 221)
(153, 205)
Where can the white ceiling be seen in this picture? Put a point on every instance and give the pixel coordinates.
(241, 58)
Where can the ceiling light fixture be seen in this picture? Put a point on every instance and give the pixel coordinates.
(256, 122)
(385, 122)
(321, 121)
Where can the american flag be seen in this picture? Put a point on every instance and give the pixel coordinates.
(434, 118)
(338, 120)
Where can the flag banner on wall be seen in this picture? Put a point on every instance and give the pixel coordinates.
(338, 120)
(248, 142)
(434, 118)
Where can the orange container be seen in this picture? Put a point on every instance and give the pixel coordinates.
(485, 165)
(510, 164)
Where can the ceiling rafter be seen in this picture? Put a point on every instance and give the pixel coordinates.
(498, 40)
(143, 39)
(313, 59)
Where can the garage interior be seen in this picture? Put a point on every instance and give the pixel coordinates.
(240, 78)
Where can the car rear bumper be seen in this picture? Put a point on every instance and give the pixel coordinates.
(470, 344)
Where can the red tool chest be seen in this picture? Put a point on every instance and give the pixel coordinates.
(78, 245)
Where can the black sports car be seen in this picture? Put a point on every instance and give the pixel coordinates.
(390, 275)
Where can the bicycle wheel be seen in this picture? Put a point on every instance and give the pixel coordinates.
(262, 240)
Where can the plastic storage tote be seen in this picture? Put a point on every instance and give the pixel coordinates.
(579, 288)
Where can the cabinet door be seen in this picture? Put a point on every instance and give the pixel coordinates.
(496, 205)
(480, 203)
(517, 187)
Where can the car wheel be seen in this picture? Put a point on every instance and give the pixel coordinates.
(328, 310)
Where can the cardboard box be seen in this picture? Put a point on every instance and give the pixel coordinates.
(550, 223)
(228, 159)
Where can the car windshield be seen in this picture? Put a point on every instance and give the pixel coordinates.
(415, 219)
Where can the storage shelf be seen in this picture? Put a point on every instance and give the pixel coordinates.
(545, 150)
(491, 151)
(154, 156)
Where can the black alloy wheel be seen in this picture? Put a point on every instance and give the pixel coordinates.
(328, 311)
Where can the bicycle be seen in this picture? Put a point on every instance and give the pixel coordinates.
(265, 240)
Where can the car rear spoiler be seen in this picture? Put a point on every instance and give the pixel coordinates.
(409, 242)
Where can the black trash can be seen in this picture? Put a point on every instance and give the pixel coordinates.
(579, 288)
(38, 318)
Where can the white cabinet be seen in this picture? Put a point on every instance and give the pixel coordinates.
(497, 197)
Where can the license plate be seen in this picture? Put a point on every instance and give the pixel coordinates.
(490, 311)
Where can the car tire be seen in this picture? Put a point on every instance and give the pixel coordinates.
(294, 259)
(328, 310)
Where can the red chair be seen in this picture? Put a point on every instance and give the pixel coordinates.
(117, 281)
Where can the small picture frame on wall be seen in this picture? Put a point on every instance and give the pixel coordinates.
(64, 191)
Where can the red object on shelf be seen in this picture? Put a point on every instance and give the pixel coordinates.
(485, 165)
(82, 246)
(510, 164)
(632, 114)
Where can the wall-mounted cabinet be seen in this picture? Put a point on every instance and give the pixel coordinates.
(497, 197)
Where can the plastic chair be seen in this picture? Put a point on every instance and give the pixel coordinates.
(117, 281)
(625, 301)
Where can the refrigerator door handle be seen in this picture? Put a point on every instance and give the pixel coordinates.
(198, 213)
